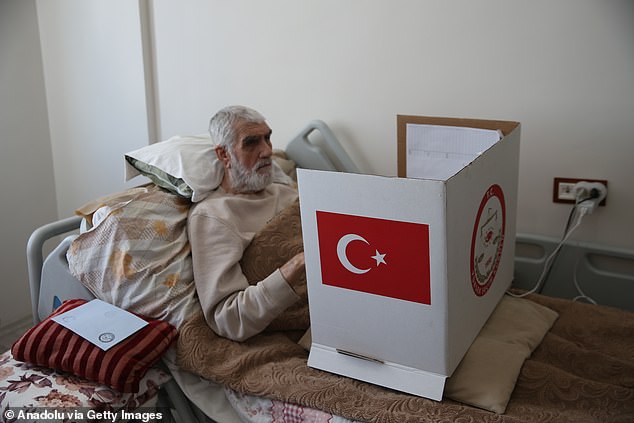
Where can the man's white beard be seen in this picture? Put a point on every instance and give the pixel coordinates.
(245, 180)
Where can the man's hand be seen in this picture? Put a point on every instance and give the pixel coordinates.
(293, 270)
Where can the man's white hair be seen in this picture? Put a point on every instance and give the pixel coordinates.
(222, 124)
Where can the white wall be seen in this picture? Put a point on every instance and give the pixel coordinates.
(27, 186)
(93, 68)
(72, 101)
(564, 69)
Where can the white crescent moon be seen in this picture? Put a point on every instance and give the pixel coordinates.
(341, 252)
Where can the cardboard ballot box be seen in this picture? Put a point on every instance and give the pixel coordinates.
(403, 272)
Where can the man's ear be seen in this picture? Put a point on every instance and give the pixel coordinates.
(223, 156)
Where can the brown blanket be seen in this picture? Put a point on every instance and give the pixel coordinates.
(583, 371)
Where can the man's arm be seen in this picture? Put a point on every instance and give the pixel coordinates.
(293, 270)
(233, 308)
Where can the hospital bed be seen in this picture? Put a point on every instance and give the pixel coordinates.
(50, 283)
(581, 370)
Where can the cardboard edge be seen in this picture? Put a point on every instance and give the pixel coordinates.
(391, 375)
(506, 126)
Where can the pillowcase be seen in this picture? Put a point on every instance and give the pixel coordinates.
(121, 367)
(486, 376)
(184, 165)
(136, 255)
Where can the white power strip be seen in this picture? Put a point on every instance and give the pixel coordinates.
(588, 195)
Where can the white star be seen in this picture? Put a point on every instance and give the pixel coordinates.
(380, 258)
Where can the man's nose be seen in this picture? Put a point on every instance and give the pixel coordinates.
(266, 149)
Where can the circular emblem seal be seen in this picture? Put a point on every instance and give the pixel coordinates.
(68, 319)
(106, 337)
(487, 240)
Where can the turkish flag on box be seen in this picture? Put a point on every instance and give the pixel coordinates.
(377, 256)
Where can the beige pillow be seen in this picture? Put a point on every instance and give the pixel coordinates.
(137, 254)
(486, 376)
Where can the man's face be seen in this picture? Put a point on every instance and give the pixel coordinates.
(251, 168)
(253, 143)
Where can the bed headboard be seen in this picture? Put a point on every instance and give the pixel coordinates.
(325, 153)
(604, 274)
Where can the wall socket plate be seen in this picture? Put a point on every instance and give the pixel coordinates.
(563, 189)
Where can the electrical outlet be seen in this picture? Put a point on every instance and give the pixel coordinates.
(564, 189)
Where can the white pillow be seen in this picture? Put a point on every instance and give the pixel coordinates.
(185, 165)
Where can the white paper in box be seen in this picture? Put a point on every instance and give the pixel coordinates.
(403, 272)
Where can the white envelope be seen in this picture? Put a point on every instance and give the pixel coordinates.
(100, 323)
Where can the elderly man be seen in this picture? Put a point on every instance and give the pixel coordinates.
(221, 227)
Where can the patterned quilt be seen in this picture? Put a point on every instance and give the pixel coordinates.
(582, 371)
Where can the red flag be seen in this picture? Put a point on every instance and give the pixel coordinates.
(378, 256)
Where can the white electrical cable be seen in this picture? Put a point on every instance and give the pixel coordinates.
(548, 262)
(582, 295)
